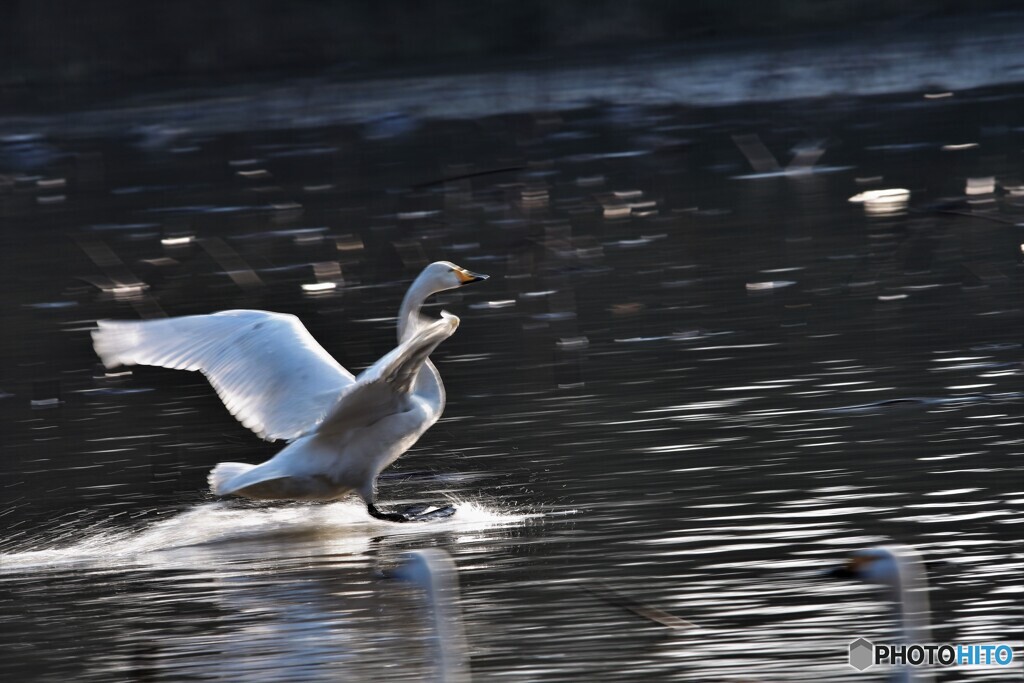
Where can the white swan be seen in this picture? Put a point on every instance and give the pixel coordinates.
(279, 382)
(900, 570)
(434, 571)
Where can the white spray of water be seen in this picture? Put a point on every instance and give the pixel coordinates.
(344, 525)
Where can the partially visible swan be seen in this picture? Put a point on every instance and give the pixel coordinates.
(434, 571)
(278, 381)
(900, 570)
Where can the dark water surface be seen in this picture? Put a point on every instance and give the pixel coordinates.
(696, 382)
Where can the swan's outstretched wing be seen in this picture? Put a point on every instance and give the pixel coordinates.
(380, 390)
(266, 367)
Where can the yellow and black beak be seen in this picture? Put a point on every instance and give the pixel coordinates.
(850, 569)
(465, 277)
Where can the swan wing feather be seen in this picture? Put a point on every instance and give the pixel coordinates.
(383, 388)
(266, 367)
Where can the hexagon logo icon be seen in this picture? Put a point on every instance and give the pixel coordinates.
(861, 654)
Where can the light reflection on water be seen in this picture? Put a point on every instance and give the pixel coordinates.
(701, 391)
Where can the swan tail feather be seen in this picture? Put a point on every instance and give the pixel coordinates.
(220, 477)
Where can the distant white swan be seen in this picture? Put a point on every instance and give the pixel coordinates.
(279, 382)
(900, 570)
(434, 571)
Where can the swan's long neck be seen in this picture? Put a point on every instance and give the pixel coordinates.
(915, 614)
(914, 610)
(411, 305)
(428, 380)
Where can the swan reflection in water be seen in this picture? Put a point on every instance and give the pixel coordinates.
(434, 572)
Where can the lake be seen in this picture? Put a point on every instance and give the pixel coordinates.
(699, 376)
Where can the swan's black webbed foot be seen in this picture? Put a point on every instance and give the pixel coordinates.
(415, 510)
(414, 513)
(386, 516)
(439, 513)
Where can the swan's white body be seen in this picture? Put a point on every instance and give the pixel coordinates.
(900, 570)
(278, 381)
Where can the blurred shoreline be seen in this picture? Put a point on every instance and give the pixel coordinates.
(934, 57)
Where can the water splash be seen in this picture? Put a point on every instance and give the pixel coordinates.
(343, 526)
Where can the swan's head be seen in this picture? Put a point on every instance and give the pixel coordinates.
(887, 565)
(900, 571)
(442, 275)
(872, 565)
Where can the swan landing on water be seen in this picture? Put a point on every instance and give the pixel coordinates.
(279, 382)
